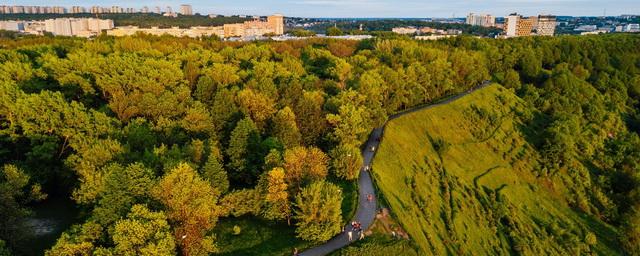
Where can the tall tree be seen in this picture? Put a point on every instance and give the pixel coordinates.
(191, 206)
(277, 198)
(256, 105)
(244, 138)
(122, 188)
(286, 129)
(304, 165)
(143, 232)
(346, 161)
(318, 211)
(214, 172)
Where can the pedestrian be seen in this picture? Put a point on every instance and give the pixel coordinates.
(295, 251)
(361, 234)
(350, 234)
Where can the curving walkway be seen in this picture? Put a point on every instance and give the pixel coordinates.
(366, 211)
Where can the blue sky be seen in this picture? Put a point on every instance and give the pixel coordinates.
(375, 8)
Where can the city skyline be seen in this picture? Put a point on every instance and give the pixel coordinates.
(376, 8)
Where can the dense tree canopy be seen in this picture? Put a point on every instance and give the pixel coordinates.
(196, 129)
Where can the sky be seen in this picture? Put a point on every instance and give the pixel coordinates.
(373, 8)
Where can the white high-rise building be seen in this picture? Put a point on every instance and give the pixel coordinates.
(186, 9)
(84, 27)
(485, 20)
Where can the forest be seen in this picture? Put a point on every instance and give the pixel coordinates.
(157, 140)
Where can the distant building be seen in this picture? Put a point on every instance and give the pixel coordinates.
(11, 25)
(116, 9)
(631, 28)
(595, 32)
(185, 9)
(157, 10)
(144, 9)
(84, 27)
(77, 9)
(586, 28)
(433, 37)
(248, 29)
(516, 25)
(546, 25)
(276, 22)
(485, 20)
(404, 30)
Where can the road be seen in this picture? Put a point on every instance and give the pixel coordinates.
(366, 212)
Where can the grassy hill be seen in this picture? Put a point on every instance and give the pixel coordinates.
(461, 179)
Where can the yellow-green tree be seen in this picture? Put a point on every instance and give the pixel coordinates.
(192, 208)
(277, 198)
(346, 161)
(304, 165)
(256, 105)
(318, 212)
(286, 129)
(143, 232)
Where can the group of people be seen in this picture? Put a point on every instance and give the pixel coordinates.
(356, 227)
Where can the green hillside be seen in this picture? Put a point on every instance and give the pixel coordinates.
(461, 178)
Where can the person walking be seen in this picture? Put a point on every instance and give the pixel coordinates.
(350, 234)
(295, 251)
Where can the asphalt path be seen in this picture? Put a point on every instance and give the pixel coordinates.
(366, 212)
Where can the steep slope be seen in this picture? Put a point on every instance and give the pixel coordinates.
(460, 177)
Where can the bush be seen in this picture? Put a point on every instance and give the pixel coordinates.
(236, 230)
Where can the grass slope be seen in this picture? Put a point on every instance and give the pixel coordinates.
(460, 179)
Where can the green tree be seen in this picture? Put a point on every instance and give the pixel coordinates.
(122, 188)
(286, 129)
(334, 31)
(191, 207)
(240, 202)
(143, 232)
(214, 172)
(318, 212)
(346, 161)
(15, 192)
(512, 79)
(244, 138)
(310, 117)
(223, 109)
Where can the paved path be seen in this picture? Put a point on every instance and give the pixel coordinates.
(366, 212)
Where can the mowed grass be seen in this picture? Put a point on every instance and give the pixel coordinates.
(257, 237)
(460, 179)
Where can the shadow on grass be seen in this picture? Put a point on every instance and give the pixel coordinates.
(257, 237)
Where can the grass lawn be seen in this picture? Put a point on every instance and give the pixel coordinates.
(460, 178)
(257, 237)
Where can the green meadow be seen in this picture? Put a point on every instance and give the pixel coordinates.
(461, 179)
